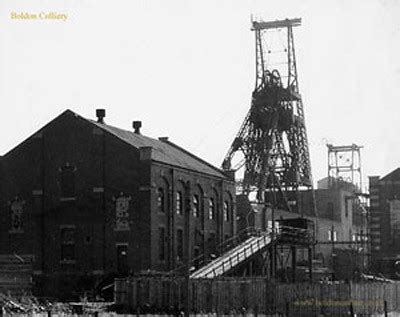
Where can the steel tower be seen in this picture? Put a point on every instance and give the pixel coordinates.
(272, 141)
(344, 164)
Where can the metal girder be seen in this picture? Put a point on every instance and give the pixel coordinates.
(276, 24)
(343, 148)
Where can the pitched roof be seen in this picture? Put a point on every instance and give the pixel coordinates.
(394, 175)
(163, 151)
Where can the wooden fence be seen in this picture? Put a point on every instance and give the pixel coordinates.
(255, 296)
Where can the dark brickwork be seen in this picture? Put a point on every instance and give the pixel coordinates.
(384, 215)
(78, 233)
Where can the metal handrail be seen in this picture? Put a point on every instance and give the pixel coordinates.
(225, 246)
(239, 238)
(287, 230)
(243, 252)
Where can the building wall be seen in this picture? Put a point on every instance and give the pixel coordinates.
(384, 193)
(111, 222)
(375, 216)
(200, 232)
(335, 209)
(33, 174)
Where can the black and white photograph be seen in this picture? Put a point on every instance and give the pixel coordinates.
(200, 158)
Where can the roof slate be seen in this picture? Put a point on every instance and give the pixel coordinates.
(163, 151)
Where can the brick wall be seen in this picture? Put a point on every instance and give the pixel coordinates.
(104, 169)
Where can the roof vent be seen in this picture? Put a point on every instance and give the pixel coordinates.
(100, 114)
(163, 139)
(137, 125)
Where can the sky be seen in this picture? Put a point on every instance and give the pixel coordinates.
(186, 69)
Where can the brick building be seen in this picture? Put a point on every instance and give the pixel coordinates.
(84, 199)
(385, 215)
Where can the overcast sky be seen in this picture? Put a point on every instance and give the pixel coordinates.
(186, 69)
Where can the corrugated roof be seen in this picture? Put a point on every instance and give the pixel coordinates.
(163, 151)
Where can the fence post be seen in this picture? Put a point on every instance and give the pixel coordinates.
(385, 308)
(350, 296)
(217, 308)
(138, 292)
(266, 303)
(351, 309)
(287, 309)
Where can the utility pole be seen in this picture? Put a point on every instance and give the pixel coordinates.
(274, 235)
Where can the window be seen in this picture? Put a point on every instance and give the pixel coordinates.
(332, 235)
(226, 211)
(67, 181)
(179, 203)
(196, 206)
(67, 244)
(161, 200)
(211, 209)
(179, 244)
(161, 244)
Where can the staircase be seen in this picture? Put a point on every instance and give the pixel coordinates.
(232, 258)
(15, 274)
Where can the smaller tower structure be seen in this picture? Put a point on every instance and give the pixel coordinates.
(344, 165)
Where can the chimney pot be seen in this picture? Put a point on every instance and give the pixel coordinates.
(100, 114)
(137, 125)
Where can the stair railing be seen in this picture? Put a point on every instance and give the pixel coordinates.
(242, 254)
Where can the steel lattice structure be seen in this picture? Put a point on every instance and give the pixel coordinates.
(344, 164)
(273, 138)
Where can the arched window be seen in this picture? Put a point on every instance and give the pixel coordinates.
(198, 202)
(226, 211)
(211, 209)
(179, 203)
(161, 200)
(196, 206)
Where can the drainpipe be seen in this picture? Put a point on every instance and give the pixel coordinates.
(187, 224)
(221, 217)
(171, 218)
(103, 202)
(187, 231)
(42, 216)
